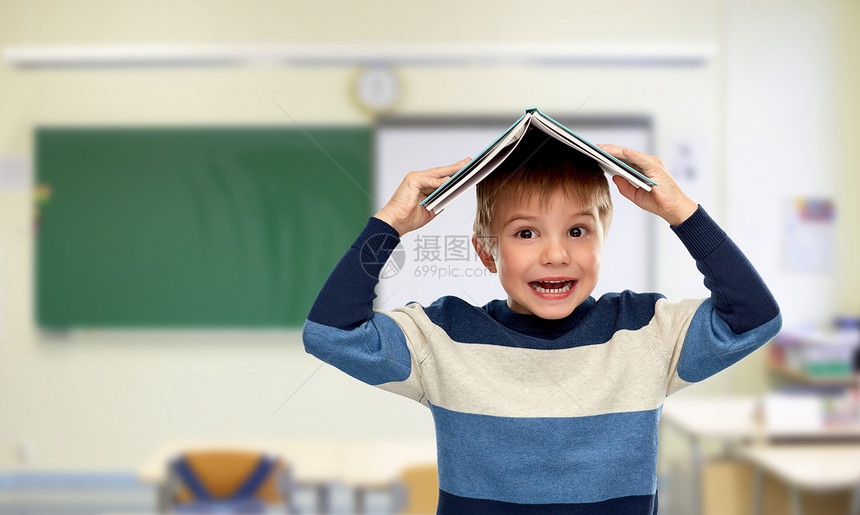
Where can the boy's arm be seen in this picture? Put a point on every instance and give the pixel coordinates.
(740, 316)
(738, 294)
(342, 329)
(346, 299)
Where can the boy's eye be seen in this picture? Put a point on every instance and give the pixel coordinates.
(577, 232)
(525, 234)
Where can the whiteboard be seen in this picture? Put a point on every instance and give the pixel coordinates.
(439, 260)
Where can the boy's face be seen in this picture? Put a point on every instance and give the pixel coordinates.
(547, 255)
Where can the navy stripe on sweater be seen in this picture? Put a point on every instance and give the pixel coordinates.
(632, 505)
(591, 323)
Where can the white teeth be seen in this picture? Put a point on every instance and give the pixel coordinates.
(538, 288)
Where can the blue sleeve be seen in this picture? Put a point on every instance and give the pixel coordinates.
(343, 330)
(741, 314)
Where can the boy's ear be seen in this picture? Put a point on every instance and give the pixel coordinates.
(485, 247)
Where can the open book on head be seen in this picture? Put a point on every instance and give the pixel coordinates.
(495, 154)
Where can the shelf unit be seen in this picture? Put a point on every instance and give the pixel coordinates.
(802, 377)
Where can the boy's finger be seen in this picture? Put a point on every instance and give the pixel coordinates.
(625, 188)
(447, 170)
(628, 154)
(618, 153)
(644, 160)
(432, 183)
(612, 149)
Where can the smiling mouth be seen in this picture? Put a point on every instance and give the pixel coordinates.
(551, 286)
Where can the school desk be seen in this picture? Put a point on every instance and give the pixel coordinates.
(736, 423)
(817, 468)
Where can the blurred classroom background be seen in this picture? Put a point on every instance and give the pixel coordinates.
(177, 178)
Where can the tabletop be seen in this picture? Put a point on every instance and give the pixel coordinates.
(811, 467)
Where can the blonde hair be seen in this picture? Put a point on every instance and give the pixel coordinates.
(542, 166)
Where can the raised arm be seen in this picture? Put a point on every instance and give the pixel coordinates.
(346, 298)
(342, 328)
(741, 314)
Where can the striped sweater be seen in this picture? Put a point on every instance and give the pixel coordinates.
(544, 416)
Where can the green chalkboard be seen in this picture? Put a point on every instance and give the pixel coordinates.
(194, 227)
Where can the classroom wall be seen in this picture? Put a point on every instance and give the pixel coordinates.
(780, 69)
(104, 400)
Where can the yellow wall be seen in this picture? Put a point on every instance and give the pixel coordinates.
(846, 86)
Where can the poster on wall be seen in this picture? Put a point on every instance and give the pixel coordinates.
(809, 234)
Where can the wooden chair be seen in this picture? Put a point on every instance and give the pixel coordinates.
(227, 481)
(420, 490)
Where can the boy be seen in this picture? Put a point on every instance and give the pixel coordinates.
(547, 402)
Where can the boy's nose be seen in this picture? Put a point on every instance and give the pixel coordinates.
(555, 253)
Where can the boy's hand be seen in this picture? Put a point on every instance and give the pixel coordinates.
(665, 200)
(403, 212)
